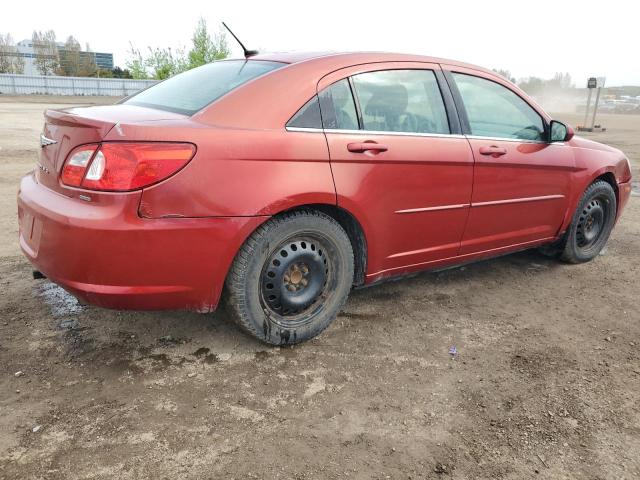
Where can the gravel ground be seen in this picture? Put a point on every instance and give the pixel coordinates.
(545, 383)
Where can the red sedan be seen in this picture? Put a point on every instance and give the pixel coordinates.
(286, 180)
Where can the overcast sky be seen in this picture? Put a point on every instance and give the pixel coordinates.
(537, 38)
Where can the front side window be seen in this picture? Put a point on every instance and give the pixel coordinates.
(193, 90)
(401, 101)
(495, 111)
(338, 108)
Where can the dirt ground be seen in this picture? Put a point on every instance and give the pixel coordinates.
(546, 383)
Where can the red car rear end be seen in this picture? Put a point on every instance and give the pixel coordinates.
(93, 238)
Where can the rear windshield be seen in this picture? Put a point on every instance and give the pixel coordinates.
(190, 91)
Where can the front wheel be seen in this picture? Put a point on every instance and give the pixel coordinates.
(291, 277)
(591, 224)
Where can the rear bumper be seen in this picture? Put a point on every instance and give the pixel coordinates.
(105, 254)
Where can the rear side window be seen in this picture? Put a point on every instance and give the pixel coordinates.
(401, 101)
(193, 90)
(308, 116)
(495, 111)
(338, 107)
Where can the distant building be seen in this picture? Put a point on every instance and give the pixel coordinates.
(26, 51)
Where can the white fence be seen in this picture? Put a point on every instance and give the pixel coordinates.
(52, 85)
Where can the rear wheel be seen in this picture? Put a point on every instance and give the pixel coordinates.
(291, 277)
(590, 227)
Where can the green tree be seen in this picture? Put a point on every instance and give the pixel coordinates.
(561, 80)
(70, 58)
(118, 72)
(161, 63)
(10, 59)
(536, 86)
(505, 73)
(136, 64)
(205, 49)
(532, 85)
(47, 58)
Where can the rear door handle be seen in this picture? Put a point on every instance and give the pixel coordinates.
(361, 147)
(493, 150)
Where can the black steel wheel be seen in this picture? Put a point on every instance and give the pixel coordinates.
(291, 277)
(591, 225)
(591, 222)
(296, 278)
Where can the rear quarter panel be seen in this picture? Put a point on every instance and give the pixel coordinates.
(236, 172)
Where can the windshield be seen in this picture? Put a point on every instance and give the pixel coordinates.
(190, 91)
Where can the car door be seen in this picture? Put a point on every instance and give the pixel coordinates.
(399, 162)
(522, 183)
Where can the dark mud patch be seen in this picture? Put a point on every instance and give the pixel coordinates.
(59, 301)
(204, 354)
(262, 355)
(441, 299)
(77, 344)
(539, 364)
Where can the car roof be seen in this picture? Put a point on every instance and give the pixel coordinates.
(293, 85)
(345, 59)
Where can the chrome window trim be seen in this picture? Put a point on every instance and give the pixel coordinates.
(397, 134)
(304, 129)
(414, 134)
(373, 132)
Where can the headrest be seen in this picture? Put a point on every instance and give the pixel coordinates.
(388, 101)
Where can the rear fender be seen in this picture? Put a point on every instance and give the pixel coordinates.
(238, 172)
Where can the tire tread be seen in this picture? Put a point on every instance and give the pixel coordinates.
(565, 248)
(235, 293)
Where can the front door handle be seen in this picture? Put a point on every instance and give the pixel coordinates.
(361, 147)
(493, 150)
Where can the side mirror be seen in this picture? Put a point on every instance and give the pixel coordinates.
(560, 132)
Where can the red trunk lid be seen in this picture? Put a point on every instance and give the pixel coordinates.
(66, 129)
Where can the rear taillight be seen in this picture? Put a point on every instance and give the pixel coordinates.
(76, 165)
(120, 166)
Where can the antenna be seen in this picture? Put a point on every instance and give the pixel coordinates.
(247, 53)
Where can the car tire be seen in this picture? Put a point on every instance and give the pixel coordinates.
(590, 226)
(291, 277)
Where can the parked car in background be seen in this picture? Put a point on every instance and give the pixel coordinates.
(608, 106)
(280, 182)
(628, 105)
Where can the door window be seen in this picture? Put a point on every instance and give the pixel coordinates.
(338, 108)
(401, 101)
(495, 111)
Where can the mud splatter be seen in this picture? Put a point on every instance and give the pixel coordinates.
(59, 301)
